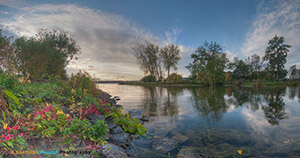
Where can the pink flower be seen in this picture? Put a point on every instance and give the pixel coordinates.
(74, 136)
(48, 108)
(21, 135)
(92, 156)
(8, 128)
(8, 137)
(31, 147)
(69, 117)
(15, 127)
(3, 136)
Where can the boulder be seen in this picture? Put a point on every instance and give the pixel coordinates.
(134, 113)
(93, 118)
(116, 130)
(112, 151)
(122, 139)
(163, 144)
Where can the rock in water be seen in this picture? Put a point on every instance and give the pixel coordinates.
(134, 113)
(112, 151)
(187, 152)
(179, 137)
(163, 144)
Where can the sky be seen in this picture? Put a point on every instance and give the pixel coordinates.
(106, 30)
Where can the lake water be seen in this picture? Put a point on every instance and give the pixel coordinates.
(217, 122)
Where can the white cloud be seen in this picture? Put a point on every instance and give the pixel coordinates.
(106, 39)
(275, 17)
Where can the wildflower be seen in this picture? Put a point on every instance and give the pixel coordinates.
(28, 116)
(8, 128)
(48, 108)
(8, 137)
(74, 136)
(69, 117)
(21, 135)
(3, 136)
(15, 127)
(31, 147)
(5, 125)
(59, 112)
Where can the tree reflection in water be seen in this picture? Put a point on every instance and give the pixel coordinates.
(213, 102)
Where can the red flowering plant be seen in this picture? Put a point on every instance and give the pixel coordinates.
(12, 138)
(51, 121)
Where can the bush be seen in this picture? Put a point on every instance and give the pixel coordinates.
(204, 78)
(174, 78)
(83, 81)
(148, 78)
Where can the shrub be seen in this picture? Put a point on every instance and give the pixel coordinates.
(204, 78)
(174, 78)
(149, 78)
(83, 81)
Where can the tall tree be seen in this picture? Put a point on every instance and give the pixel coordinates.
(170, 56)
(255, 63)
(276, 54)
(147, 58)
(209, 59)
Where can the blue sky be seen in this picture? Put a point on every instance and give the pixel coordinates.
(107, 30)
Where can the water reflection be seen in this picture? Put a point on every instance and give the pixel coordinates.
(217, 121)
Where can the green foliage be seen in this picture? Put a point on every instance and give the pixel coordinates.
(148, 78)
(241, 70)
(170, 55)
(131, 126)
(276, 54)
(174, 78)
(211, 59)
(7, 81)
(83, 81)
(84, 129)
(204, 78)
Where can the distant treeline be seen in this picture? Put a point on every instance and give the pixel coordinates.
(211, 66)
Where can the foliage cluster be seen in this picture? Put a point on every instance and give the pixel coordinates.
(55, 111)
(148, 78)
(174, 78)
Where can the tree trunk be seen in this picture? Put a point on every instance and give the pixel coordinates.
(168, 71)
(277, 72)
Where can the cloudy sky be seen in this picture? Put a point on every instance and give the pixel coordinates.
(106, 30)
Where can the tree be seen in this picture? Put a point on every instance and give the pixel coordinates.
(170, 56)
(293, 70)
(276, 54)
(147, 58)
(240, 69)
(48, 53)
(61, 41)
(255, 63)
(210, 60)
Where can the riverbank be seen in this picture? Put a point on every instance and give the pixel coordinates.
(63, 116)
(246, 84)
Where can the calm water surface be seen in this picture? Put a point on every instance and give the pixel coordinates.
(216, 122)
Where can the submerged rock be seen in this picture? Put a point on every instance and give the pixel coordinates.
(134, 113)
(112, 151)
(163, 144)
(179, 137)
(188, 152)
(122, 139)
